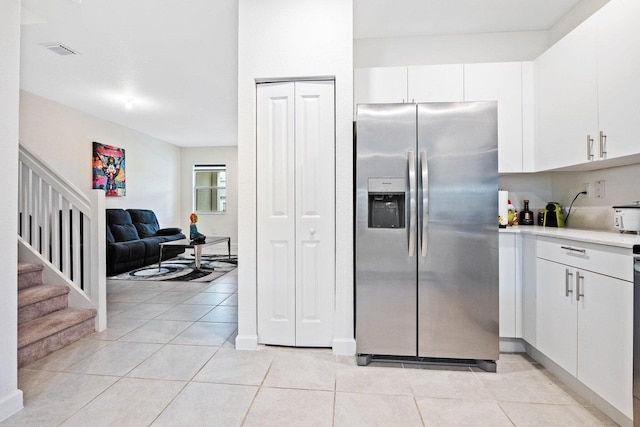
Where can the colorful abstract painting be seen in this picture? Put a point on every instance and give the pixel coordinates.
(108, 169)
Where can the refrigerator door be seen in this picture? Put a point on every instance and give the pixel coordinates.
(386, 227)
(636, 334)
(458, 256)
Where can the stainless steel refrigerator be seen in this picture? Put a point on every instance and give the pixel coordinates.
(426, 266)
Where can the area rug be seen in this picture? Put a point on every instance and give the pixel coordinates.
(183, 269)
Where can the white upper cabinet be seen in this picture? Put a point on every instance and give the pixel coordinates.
(566, 107)
(618, 50)
(587, 87)
(435, 83)
(500, 82)
(379, 85)
(511, 84)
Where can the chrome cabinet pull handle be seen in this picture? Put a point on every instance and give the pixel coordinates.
(567, 274)
(579, 293)
(603, 145)
(589, 147)
(412, 202)
(569, 248)
(425, 202)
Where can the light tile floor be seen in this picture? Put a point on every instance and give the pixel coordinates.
(167, 359)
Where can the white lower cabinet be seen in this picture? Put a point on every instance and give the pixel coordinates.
(557, 314)
(585, 322)
(508, 285)
(605, 338)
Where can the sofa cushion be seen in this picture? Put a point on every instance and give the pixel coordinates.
(120, 225)
(169, 231)
(110, 238)
(145, 230)
(145, 221)
(124, 256)
(124, 232)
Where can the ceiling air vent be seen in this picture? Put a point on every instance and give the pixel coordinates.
(60, 49)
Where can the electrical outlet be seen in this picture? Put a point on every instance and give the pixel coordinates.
(586, 187)
(600, 189)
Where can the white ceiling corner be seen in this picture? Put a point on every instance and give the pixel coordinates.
(177, 60)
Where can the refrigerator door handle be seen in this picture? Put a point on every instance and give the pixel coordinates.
(425, 201)
(412, 202)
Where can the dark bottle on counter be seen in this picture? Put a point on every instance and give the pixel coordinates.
(526, 216)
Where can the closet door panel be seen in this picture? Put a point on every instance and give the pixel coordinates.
(276, 213)
(315, 212)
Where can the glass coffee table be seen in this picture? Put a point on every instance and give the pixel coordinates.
(197, 247)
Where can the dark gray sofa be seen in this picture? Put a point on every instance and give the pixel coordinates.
(133, 240)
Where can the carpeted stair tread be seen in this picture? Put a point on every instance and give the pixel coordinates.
(28, 268)
(29, 275)
(51, 324)
(39, 293)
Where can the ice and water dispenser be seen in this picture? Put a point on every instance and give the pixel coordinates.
(386, 202)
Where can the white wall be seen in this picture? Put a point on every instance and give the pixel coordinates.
(449, 49)
(593, 213)
(63, 138)
(10, 396)
(209, 224)
(288, 39)
(621, 188)
(537, 188)
(581, 11)
(468, 48)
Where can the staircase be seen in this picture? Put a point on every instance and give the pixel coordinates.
(45, 321)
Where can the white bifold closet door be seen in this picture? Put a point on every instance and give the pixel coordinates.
(296, 213)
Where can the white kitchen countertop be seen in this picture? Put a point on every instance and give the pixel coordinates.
(611, 238)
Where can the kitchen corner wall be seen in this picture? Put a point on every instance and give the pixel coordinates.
(63, 137)
(535, 187)
(592, 213)
(449, 49)
(219, 224)
(620, 188)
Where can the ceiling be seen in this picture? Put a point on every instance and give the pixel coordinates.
(404, 18)
(176, 61)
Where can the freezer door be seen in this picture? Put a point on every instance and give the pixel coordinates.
(386, 213)
(458, 262)
(636, 333)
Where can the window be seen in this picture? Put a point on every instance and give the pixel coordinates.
(209, 188)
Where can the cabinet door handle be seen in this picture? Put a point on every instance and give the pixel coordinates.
(589, 147)
(567, 274)
(569, 248)
(603, 145)
(578, 291)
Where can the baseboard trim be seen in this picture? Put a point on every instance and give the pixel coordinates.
(247, 342)
(512, 345)
(344, 346)
(577, 386)
(10, 404)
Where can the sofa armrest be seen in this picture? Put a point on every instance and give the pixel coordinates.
(169, 231)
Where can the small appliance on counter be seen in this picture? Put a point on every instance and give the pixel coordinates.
(553, 215)
(526, 216)
(627, 217)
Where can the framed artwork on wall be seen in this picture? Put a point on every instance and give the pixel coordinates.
(109, 169)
